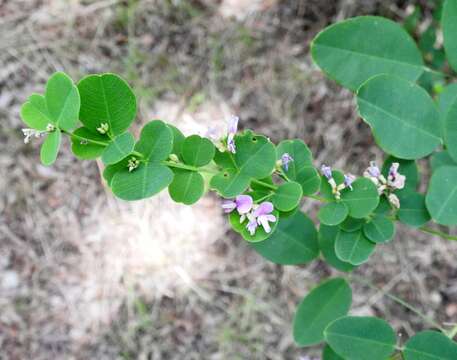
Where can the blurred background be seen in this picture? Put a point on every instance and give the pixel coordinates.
(85, 276)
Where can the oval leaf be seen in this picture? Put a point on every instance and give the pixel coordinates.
(197, 151)
(361, 338)
(327, 237)
(156, 141)
(50, 147)
(430, 345)
(353, 247)
(143, 182)
(379, 230)
(449, 23)
(362, 199)
(333, 213)
(106, 98)
(121, 146)
(441, 198)
(187, 187)
(294, 241)
(35, 113)
(402, 116)
(82, 143)
(413, 211)
(327, 302)
(354, 50)
(287, 196)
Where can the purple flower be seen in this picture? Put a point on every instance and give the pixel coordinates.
(242, 203)
(327, 171)
(285, 160)
(231, 132)
(252, 226)
(263, 215)
(348, 180)
(395, 179)
(373, 170)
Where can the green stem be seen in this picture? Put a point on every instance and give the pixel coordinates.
(452, 333)
(399, 301)
(180, 166)
(316, 197)
(82, 138)
(438, 233)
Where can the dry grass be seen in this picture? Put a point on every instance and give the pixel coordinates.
(85, 276)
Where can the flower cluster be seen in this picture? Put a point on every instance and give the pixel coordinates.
(30, 133)
(256, 214)
(337, 188)
(394, 181)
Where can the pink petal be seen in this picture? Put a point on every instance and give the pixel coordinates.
(244, 204)
(264, 208)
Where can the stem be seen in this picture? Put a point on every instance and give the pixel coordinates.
(95, 142)
(316, 197)
(399, 301)
(180, 165)
(438, 233)
(451, 333)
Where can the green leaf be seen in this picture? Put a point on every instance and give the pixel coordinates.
(35, 113)
(361, 338)
(363, 199)
(301, 169)
(430, 345)
(327, 302)
(156, 141)
(441, 158)
(111, 170)
(353, 247)
(62, 101)
(197, 151)
(178, 139)
(82, 148)
(413, 211)
(441, 198)
(148, 179)
(327, 237)
(294, 241)
(106, 98)
(402, 116)
(449, 23)
(329, 354)
(50, 147)
(407, 168)
(450, 130)
(187, 187)
(379, 230)
(384, 207)
(255, 158)
(351, 224)
(287, 196)
(121, 146)
(354, 50)
(260, 233)
(333, 213)
(446, 100)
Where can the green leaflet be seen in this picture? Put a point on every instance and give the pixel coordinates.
(287, 196)
(441, 198)
(356, 49)
(333, 213)
(197, 151)
(255, 158)
(413, 211)
(379, 229)
(430, 345)
(82, 148)
(361, 338)
(449, 23)
(403, 118)
(148, 179)
(260, 234)
(327, 237)
(156, 141)
(121, 146)
(353, 247)
(50, 147)
(362, 200)
(325, 303)
(106, 99)
(187, 187)
(294, 241)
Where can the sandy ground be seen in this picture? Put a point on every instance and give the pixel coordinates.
(85, 276)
